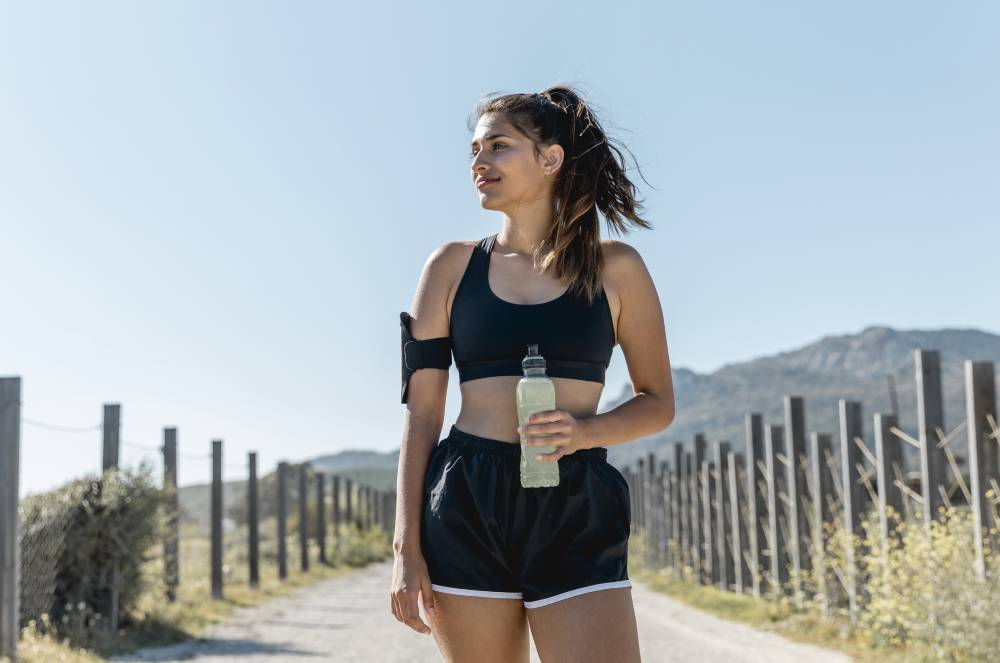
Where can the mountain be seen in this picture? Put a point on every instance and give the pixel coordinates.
(849, 366)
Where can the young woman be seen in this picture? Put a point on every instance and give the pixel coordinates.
(486, 558)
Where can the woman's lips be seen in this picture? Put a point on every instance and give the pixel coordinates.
(487, 182)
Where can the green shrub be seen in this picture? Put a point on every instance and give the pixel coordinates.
(921, 593)
(81, 544)
(359, 547)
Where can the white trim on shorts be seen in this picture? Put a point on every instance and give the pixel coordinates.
(476, 592)
(576, 592)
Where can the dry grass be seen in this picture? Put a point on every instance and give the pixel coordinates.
(920, 600)
(158, 622)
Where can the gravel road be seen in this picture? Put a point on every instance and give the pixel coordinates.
(347, 619)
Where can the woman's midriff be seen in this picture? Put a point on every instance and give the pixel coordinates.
(489, 407)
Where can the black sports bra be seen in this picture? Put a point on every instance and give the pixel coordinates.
(490, 336)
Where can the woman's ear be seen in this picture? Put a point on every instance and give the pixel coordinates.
(552, 158)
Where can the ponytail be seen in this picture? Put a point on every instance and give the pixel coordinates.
(591, 178)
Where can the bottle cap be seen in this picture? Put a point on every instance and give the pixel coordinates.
(533, 360)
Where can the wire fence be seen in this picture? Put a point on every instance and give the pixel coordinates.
(787, 517)
(79, 561)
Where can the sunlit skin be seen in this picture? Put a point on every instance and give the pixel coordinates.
(592, 627)
(523, 193)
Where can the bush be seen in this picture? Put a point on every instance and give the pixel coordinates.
(925, 591)
(360, 547)
(920, 593)
(81, 545)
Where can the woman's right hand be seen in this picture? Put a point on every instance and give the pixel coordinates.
(410, 578)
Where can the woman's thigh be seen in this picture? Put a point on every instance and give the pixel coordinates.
(473, 629)
(588, 628)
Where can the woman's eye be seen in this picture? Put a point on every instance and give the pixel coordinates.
(472, 155)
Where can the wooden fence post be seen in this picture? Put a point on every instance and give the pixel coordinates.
(10, 555)
(855, 495)
(693, 500)
(756, 492)
(367, 500)
(723, 534)
(171, 541)
(798, 495)
(776, 544)
(321, 515)
(640, 512)
(699, 508)
(930, 415)
(336, 504)
(362, 506)
(741, 569)
(984, 469)
(649, 508)
(661, 487)
(821, 454)
(708, 498)
(111, 435)
(217, 519)
(253, 521)
(349, 503)
(664, 521)
(303, 517)
(368, 506)
(282, 489)
(666, 487)
(676, 510)
(888, 465)
(685, 508)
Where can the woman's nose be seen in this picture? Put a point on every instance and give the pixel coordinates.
(477, 162)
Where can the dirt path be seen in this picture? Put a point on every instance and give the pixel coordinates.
(347, 619)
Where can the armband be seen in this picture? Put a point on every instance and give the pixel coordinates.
(425, 353)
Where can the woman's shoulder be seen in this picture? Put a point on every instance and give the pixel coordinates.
(619, 256)
(454, 254)
(439, 278)
(452, 251)
(448, 261)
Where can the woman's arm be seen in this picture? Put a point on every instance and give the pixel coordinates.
(643, 340)
(425, 398)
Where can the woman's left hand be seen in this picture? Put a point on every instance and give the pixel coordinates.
(559, 428)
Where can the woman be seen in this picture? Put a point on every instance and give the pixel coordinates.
(485, 557)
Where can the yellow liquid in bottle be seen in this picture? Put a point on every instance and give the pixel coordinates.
(536, 394)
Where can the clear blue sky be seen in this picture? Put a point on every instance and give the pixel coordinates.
(213, 212)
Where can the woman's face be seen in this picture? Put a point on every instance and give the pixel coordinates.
(505, 170)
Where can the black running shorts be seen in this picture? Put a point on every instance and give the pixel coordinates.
(482, 534)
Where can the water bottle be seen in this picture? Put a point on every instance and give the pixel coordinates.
(535, 393)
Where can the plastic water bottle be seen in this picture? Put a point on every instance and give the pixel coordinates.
(535, 393)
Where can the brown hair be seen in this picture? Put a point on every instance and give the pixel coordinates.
(591, 178)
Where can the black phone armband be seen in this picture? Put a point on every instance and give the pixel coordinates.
(425, 353)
